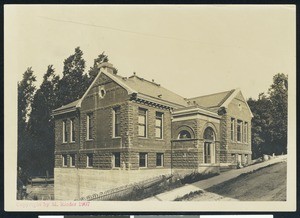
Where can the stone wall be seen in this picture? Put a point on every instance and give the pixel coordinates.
(61, 146)
(238, 110)
(72, 183)
(188, 153)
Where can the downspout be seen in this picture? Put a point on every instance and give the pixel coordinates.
(171, 144)
(78, 155)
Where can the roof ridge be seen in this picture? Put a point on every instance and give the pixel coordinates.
(142, 79)
(226, 97)
(211, 94)
(67, 105)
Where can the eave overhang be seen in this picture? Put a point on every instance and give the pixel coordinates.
(158, 101)
(190, 111)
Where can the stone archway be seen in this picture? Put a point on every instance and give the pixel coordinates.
(209, 148)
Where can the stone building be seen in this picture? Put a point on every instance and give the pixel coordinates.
(124, 130)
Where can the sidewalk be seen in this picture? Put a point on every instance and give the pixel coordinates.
(204, 184)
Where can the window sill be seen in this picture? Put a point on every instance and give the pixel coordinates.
(72, 142)
(142, 137)
(116, 137)
(159, 139)
(89, 167)
(72, 166)
(64, 166)
(116, 168)
(64, 143)
(89, 140)
(159, 166)
(143, 168)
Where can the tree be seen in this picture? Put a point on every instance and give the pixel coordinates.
(41, 124)
(261, 135)
(279, 98)
(74, 82)
(269, 124)
(26, 89)
(94, 70)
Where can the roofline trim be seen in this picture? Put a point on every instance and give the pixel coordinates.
(103, 69)
(207, 95)
(64, 111)
(195, 110)
(159, 101)
(232, 96)
(117, 80)
(61, 108)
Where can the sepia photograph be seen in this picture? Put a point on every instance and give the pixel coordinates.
(150, 108)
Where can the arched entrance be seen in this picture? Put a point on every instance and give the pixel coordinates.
(209, 146)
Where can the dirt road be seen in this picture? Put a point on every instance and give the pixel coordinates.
(265, 184)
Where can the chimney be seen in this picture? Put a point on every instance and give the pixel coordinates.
(109, 67)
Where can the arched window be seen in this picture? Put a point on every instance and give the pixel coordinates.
(209, 134)
(184, 134)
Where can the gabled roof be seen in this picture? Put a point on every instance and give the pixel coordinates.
(153, 90)
(143, 88)
(66, 108)
(213, 101)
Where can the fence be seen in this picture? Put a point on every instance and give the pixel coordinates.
(127, 191)
(40, 180)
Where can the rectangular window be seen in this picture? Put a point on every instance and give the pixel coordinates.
(158, 125)
(117, 159)
(72, 131)
(239, 130)
(89, 160)
(246, 159)
(159, 159)
(143, 159)
(207, 152)
(142, 122)
(246, 132)
(64, 160)
(232, 128)
(65, 132)
(89, 128)
(117, 122)
(72, 160)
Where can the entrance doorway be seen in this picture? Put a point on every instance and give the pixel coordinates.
(209, 146)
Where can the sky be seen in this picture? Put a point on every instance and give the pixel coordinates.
(192, 50)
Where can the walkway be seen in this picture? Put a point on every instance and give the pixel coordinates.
(204, 184)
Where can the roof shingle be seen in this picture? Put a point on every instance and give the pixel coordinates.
(70, 105)
(153, 90)
(213, 101)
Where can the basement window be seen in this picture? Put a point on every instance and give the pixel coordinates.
(159, 159)
(72, 160)
(64, 160)
(143, 159)
(116, 160)
(89, 160)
